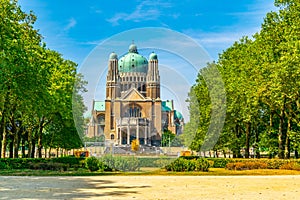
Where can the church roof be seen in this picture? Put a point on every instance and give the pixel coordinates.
(166, 106)
(99, 105)
(177, 115)
(133, 61)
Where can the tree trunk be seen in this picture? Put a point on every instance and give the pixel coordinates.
(45, 152)
(287, 150)
(296, 154)
(248, 131)
(49, 153)
(257, 153)
(224, 153)
(280, 139)
(32, 150)
(40, 135)
(11, 147)
(0, 146)
(4, 143)
(281, 134)
(23, 148)
(29, 144)
(16, 144)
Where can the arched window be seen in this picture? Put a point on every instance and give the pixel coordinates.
(133, 111)
(101, 119)
(112, 136)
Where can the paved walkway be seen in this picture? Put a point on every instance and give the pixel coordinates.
(151, 187)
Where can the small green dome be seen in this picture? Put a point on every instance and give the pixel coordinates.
(153, 56)
(132, 61)
(113, 55)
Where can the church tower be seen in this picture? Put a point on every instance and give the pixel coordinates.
(112, 79)
(133, 109)
(153, 78)
(112, 92)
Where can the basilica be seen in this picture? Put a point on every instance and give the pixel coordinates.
(133, 108)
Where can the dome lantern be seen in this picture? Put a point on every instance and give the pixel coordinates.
(132, 49)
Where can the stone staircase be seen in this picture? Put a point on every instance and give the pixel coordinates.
(126, 150)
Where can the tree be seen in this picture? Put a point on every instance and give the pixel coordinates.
(37, 85)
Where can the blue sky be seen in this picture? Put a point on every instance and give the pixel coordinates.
(76, 28)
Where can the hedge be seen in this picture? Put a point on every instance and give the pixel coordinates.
(40, 163)
(154, 161)
(222, 162)
(185, 165)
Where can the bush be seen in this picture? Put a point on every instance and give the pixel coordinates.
(3, 165)
(203, 164)
(70, 160)
(248, 165)
(92, 164)
(162, 162)
(219, 162)
(48, 166)
(122, 163)
(154, 161)
(290, 166)
(182, 165)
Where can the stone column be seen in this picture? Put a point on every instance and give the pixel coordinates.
(137, 130)
(128, 132)
(145, 124)
(120, 134)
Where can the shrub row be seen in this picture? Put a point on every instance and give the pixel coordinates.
(112, 163)
(49, 166)
(291, 166)
(246, 165)
(39, 163)
(120, 163)
(154, 161)
(184, 165)
(271, 163)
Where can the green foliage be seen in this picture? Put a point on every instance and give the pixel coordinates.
(53, 166)
(219, 162)
(37, 103)
(120, 163)
(154, 161)
(169, 138)
(71, 161)
(92, 164)
(184, 165)
(261, 80)
(3, 165)
(290, 166)
(246, 165)
(62, 163)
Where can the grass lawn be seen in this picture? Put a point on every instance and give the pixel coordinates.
(147, 171)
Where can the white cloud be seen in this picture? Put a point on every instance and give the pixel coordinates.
(72, 23)
(146, 10)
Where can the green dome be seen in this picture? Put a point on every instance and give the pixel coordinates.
(153, 56)
(133, 62)
(113, 55)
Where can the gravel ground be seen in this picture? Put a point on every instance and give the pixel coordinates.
(151, 187)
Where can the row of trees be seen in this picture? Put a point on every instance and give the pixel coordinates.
(37, 89)
(261, 78)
